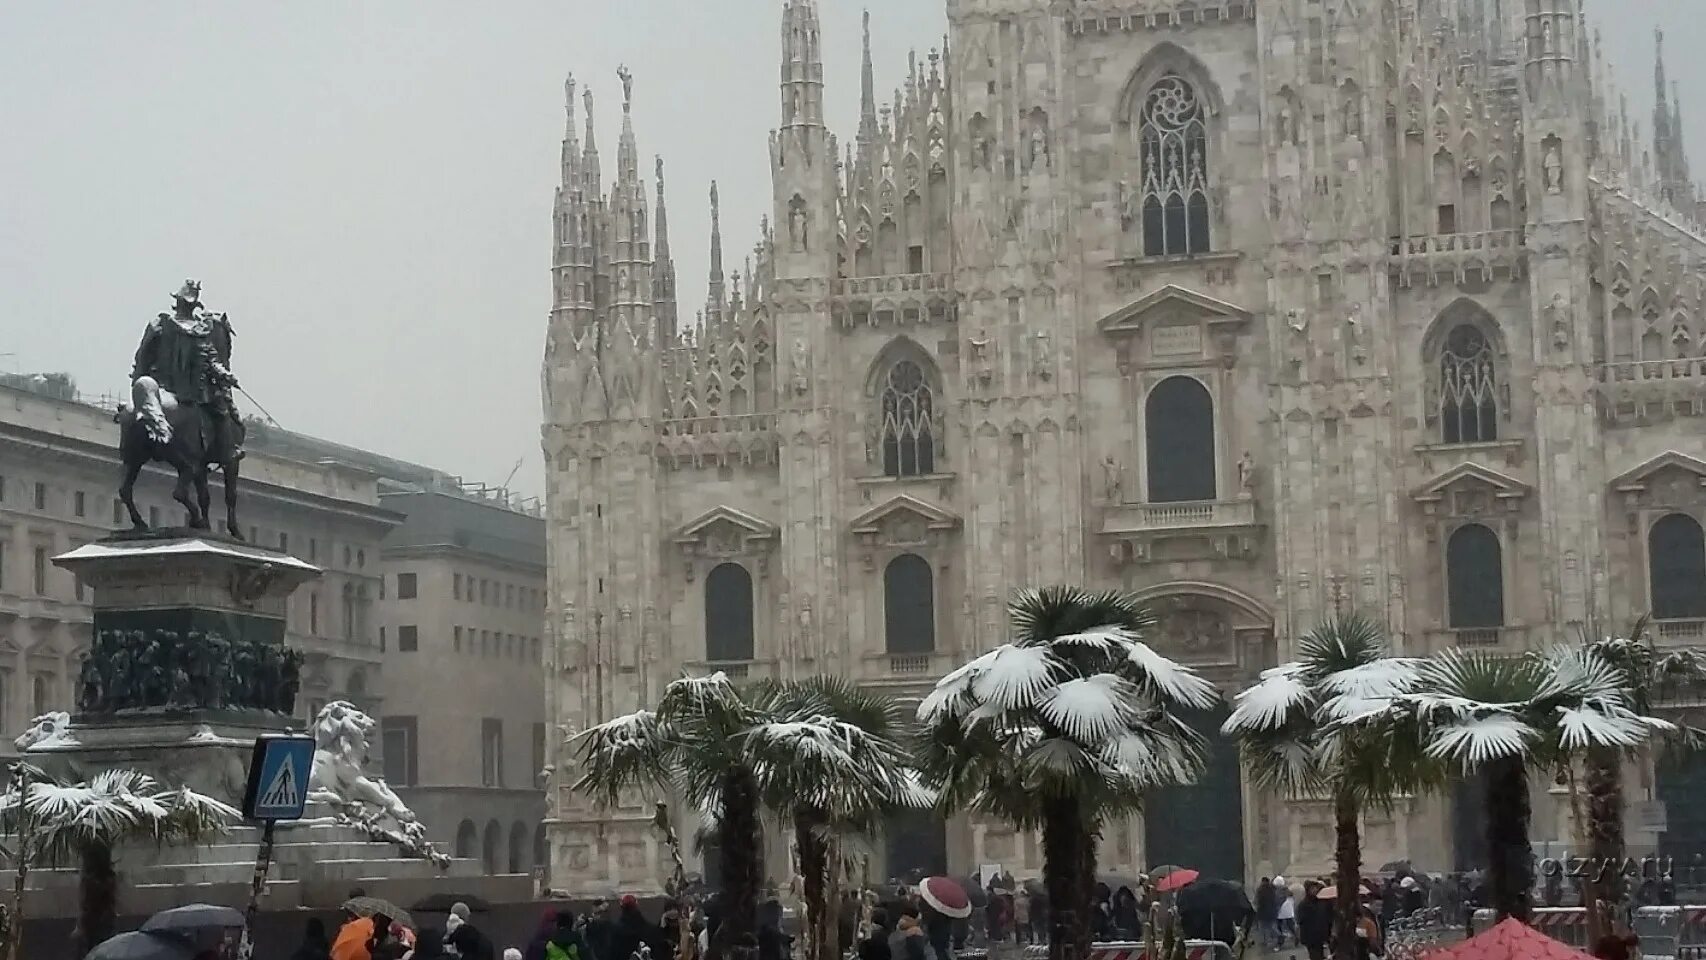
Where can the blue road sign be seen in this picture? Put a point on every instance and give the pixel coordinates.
(278, 778)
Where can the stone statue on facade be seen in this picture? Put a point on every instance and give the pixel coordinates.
(341, 750)
(1552, 164)
(182, 412)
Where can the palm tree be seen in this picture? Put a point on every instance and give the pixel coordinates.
(693, 746)
(832, 764)
(1294, 739)
(1503, 717)
(1648, 674)
(1066, 725)
(17, 823)
(86, 821)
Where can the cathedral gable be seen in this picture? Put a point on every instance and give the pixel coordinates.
(903, 519)
(724, 531)
(1175, 325)
(1470, 489)
(1649, 474)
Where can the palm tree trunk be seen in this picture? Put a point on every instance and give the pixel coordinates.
(14, 946)
(813, 865)
(98, 880)
(1510, 869)
(1602, 773)
(742, 862)
(1347, 872)
(1068, 857)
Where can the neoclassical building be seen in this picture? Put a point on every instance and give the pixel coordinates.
(1262, 311)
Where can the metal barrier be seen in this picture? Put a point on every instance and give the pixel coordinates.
(1133, 950)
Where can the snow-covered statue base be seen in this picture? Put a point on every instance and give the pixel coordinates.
(341, 733)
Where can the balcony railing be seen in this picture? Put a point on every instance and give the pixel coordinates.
(894, 283)
(912, 668)
(736, 670)
(1681, 632)
(1196, 514)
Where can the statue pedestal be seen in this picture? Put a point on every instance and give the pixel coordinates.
(188, 664)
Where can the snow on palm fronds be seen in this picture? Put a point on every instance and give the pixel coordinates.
(119, 805)
(1078, 704)
(1306, 725)
(1472, 707)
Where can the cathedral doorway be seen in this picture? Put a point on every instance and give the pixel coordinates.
(1679, 782)
(915, 842)
(1201, 825)
(1469, 824)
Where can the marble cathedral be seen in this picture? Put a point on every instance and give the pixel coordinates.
(1261, 310)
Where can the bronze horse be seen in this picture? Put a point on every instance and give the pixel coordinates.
(197, 445)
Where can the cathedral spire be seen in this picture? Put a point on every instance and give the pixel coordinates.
(590, 171)
(715, 301)
(627, 154)
(867, 91)
(663, 273)
(802, 65)
(571, 140)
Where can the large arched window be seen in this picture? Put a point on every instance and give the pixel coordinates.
(1676, 556)
(467, 840)
(518, 849)
(908, 431)
(1475, 578)
(1178, 425)
(493, 846)
(728, 614)
(1468, 387)
(909, 605)
(1173, 141)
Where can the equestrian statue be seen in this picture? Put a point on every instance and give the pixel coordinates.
(181, 412)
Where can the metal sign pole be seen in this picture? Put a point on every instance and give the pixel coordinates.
(263, 861)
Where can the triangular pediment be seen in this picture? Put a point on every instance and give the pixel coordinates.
(738, 522)
(1472, 474)
(1172, 303)
(904, 507)
(1637, 478)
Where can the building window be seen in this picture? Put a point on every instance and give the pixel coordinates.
(313, 614)
(41, 496)
(79, 503)
(456, 639)
(493, 844)
(1676, 557)
(39, 571)
(313, 549)
(283, 542)
(2, 488)
(346, 556)
(408, 639)
(406, 586)
(402, 760)
(1173, 144)
(118, 512)
(728, 614)
(909, 605)
(39, 697)
(1475, 578)
(492, 752)
(381, 639)
(456, 586)
(518, 847)
(467, 839)
(1468, 387)
(154, 517)
(1178, 424)
(908, 410)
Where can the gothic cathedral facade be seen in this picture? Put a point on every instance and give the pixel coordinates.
(1262, 311)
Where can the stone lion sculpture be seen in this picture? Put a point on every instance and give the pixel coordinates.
(47, 730)
(341, 751)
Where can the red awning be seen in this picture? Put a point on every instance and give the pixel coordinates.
(1509, 940)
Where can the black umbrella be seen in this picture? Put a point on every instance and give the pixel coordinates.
(195, 916)
(144, 946)
(1213, 910)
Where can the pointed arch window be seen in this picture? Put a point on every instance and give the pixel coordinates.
(908, 414)
(728, 614)
(1468, 387)
(1475, 578)
(909, 605)
(1178, 426)
(1676, 558)
(1173, 145)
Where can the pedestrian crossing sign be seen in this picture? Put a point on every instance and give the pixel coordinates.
(278, 778)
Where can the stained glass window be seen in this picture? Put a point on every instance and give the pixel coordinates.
(1173, 143)
(1468, 387)
(908, 408)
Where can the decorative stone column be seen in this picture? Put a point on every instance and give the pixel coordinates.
(188, 663)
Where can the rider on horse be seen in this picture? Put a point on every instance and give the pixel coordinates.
(187, 355)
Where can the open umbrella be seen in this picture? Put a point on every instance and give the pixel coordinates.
(1332, 893)
(945, 896)
(194, 917)
(144, 945)
(368, 906)
(1177, 880)
(1213, 910)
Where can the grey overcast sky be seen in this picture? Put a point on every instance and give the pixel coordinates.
(366, 187)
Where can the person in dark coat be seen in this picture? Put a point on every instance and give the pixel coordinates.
(471, 944)
(316, 944)
(876, 946)
(1314, 921)
(631, 931)
(542, 936)
(429, 946)
(939, 930)
(773, 944)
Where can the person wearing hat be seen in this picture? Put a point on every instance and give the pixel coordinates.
(633, 931)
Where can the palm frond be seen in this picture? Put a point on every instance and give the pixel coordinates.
(1090, 708)
(627, 751)
(1281, 693)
